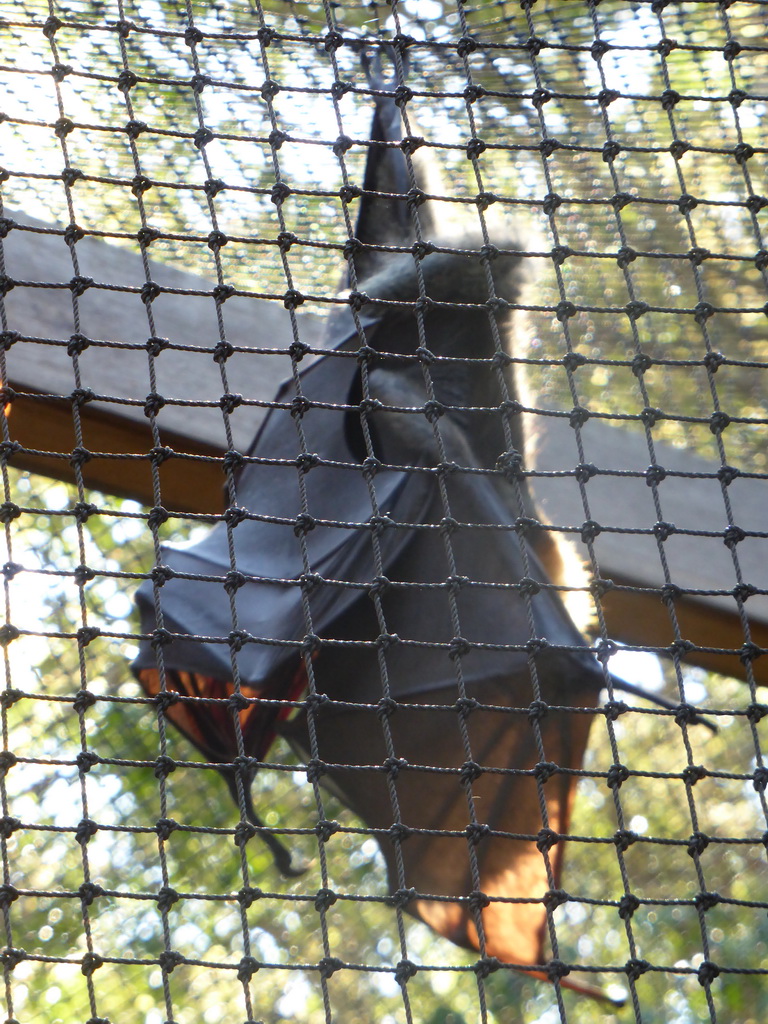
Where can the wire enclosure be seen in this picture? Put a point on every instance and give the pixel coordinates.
(180, 185)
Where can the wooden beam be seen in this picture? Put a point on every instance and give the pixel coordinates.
(116, 429)
(116, 368)
(694, 556)
(190, 481)
(641, 619)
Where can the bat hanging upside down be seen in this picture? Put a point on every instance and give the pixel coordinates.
(382, 548)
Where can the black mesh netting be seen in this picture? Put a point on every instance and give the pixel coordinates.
(184, 193)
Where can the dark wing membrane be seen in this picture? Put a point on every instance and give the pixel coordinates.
(269, 553)
(462, 573)
(385, 217)
(503, 742)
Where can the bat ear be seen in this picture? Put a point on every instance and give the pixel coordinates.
(395, 166)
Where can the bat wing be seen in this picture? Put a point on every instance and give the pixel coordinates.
(444, 573)
(437, 850)
(270, 546)
(386, 219)
(475, 574)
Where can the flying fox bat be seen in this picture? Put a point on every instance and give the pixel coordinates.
(378, 548)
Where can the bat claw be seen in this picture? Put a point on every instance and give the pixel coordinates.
(370, 61)
(283, 858)
(281, 855)
(288, 870)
